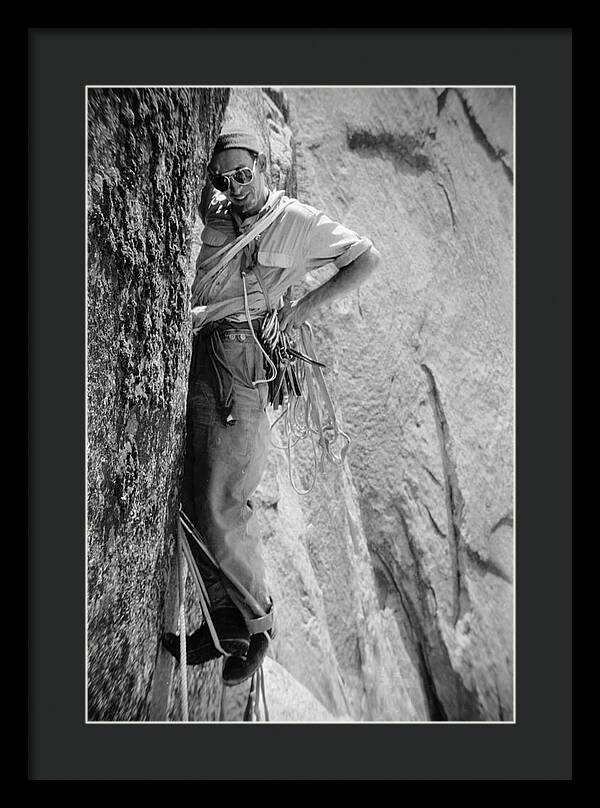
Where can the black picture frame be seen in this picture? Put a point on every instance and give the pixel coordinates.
(62, 62)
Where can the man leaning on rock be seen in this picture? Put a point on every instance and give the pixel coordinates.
(256, 244)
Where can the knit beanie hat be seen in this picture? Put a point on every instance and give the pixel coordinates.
(237, 139)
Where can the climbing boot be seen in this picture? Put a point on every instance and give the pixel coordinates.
(237, 669)
(231, 630)
(262, 631)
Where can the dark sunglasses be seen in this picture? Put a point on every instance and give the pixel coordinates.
(242, 176)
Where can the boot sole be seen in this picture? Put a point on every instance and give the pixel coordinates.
(236, 671)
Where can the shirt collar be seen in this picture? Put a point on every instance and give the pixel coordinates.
(250, 221)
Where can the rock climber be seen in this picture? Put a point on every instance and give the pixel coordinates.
(256, 244)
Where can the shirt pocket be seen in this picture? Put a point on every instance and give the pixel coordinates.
(268, 258)
(212, 240)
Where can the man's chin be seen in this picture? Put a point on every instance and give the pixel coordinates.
(246, 206)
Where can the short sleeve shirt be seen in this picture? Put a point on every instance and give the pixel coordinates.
(300, 240)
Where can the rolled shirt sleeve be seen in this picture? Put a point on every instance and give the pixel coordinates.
(331, 242)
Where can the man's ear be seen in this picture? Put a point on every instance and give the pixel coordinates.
(261, 162)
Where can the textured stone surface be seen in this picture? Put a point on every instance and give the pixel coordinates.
(420, 362)
(146, 152)
(288, 700)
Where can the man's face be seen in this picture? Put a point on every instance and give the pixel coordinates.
(246, 199)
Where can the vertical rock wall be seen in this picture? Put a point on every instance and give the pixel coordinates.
(393, 577)
(421, 365)
(146, 165)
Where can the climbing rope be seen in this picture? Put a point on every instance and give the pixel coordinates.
(295, 375)
(182, 635)
(261, 673)
(202, 593)
(257, 691)
(307, 409)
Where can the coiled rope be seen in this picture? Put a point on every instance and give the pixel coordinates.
(295, 375)
(307, 410)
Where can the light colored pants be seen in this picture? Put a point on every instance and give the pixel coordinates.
(223, 467)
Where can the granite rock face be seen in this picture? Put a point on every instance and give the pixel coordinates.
(146, 165)
(393, 577)
(420, 363)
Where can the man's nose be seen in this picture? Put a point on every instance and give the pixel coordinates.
(234, 186)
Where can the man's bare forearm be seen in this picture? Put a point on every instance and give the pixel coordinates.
(344, 281)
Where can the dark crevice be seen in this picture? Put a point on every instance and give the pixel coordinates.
(504, 520)
(500, 710)
(501, 715)
(486, 565)
(441, 100)
(279, 98)
(454, 500)
(447, 698)
(411, 621)
(480, 136)
(435, 706)
(452, 216)
(409, 540)
(434, 523)
(361, 668)
(433, 477)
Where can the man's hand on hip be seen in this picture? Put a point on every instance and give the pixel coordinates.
(292, 314)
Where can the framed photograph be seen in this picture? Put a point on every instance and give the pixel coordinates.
(300, 411)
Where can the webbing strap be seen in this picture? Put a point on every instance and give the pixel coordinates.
(202, 597)
(193, 531)
(238, 244)
(260, 624)
(230, 250)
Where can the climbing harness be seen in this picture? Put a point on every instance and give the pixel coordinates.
(185, 559)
